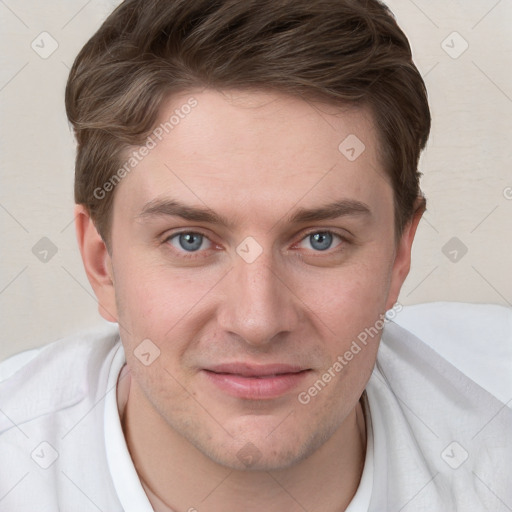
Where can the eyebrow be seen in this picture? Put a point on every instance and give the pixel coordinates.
(342, 208)
(334, 210)
(173, 208)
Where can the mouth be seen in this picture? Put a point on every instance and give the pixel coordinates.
(253, 382)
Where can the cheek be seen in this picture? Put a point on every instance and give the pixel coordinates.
(348, 304)
(156, 302)
(351, 297)
(350, 311)
(148, 289)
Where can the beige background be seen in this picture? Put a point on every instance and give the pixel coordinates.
(467, 166)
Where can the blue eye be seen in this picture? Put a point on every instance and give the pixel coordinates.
(189, 241)
(319, 240)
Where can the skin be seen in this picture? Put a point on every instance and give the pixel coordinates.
(255, 158)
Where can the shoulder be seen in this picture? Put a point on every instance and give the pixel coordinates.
(53, 377)
(52, 424)
(474, 338)
(438, 399)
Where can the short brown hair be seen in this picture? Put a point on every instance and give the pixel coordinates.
(347, 52)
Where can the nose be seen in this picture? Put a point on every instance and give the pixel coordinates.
(259, 304)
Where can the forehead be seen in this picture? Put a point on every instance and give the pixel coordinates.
(246, 152)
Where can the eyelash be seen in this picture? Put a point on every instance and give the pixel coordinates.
(200, 253)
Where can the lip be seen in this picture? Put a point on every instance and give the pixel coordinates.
(255, 382)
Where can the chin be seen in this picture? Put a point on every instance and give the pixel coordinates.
(250, 458)
(261, 451)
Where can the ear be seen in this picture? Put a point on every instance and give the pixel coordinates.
(97, 263)
(402, 263)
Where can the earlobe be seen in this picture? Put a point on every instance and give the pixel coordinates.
(97, 263)
(402, 263)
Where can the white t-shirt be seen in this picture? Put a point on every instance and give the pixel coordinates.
(437, 439)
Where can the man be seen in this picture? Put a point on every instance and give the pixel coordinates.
(247, 197)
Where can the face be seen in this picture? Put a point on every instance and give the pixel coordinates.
(252, 250)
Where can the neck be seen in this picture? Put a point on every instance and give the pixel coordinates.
(165, 461)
